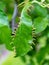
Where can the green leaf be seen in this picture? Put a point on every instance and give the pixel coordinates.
(40, 24)
(5, 36)
(3, 19)
(5, 32)
(41, 55)
(40, 10)
(23, 34)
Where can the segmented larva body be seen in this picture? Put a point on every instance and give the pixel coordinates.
(13, 36)
(33, 35)
(33, 29)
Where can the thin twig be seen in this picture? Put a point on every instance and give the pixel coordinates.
(14, 17)
(21, 4)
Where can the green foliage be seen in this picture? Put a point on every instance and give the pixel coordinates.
(39, 10)
(40, 24)
(32, 34)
